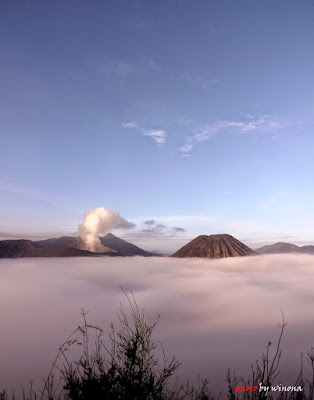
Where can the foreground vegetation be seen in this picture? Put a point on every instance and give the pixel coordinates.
(130, 370)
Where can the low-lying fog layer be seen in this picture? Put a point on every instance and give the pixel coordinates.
(215, 314)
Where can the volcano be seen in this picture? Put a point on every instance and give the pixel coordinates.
(108, 244)
(214, 246)
(69, 246)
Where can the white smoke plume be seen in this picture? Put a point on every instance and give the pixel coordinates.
(99, 221)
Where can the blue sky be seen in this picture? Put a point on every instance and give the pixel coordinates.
(197, 115)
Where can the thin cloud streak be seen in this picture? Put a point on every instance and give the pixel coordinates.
(130, 125)
(262, 123)
(153, 229)
(158, 135)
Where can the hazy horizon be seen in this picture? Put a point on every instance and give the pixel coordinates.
(163, 246)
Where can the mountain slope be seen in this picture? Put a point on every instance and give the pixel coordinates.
(26, 248)
(68, 246)
(278, 248)
(73, 242)
(214, 246)
(285, 248)
(123, 247)
(306, 249)
(109, 244)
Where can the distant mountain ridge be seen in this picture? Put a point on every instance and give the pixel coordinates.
(69, 246)
(285, 248)
(27, 248)
(214, 246)
(205, 246)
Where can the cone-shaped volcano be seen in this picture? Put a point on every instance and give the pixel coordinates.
(214, 246)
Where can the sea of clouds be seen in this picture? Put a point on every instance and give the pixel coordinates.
(214, 314)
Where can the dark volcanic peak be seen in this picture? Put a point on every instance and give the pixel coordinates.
(123, 247)
(285, 248)
(214, 246)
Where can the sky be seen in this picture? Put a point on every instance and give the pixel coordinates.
(193, 115)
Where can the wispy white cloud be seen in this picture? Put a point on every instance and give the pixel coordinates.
(156, 228)
(129, 125)
(262, 123)
(159, 135)
(152, 229)
(186, 148)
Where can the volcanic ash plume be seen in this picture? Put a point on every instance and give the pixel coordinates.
(99, 221)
